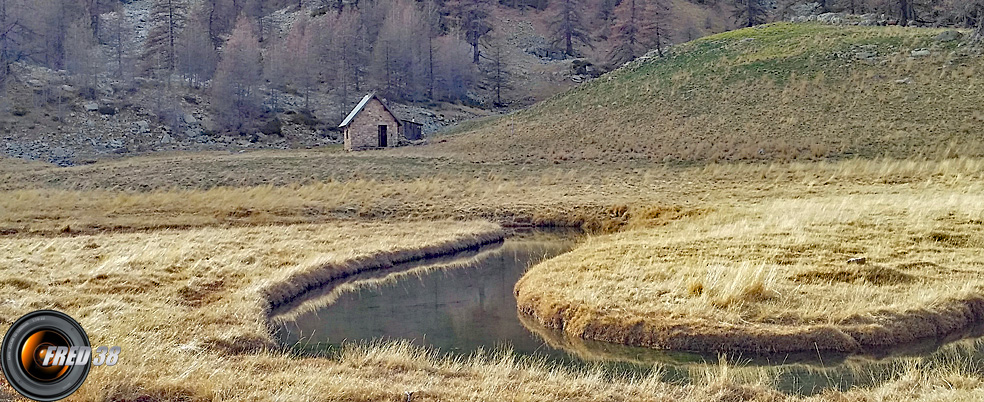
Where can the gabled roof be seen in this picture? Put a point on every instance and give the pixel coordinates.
(362, 104)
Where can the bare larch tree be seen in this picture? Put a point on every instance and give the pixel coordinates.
(167, 18)
(567, 26)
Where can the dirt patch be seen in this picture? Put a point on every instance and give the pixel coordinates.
(918, 265)
(198, 293)
(874, 275)
(949, 239)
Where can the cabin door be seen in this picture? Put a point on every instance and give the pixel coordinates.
(382, 136)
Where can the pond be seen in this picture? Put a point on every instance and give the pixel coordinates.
(462, 303)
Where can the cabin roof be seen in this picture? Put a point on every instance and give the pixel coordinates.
(362, 104)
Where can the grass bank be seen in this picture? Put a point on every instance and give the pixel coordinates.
(773, 275)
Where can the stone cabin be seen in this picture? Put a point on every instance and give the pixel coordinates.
(371, 125)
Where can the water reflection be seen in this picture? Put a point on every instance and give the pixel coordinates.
(464, 303)
(457, 306)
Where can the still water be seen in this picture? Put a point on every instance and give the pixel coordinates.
(462, 303)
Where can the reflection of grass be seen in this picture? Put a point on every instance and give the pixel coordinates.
(327, 293)
(958, 362)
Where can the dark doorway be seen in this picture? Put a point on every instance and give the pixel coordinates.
(382, 136)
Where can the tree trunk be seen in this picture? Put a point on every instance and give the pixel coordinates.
(978, 36)
(567, 29)
(659, 39)
(750, 12)
(119, 44)
(904, 16)
(171, 33)
(94, 24)
(430, 68)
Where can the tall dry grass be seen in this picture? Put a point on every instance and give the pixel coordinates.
(175, 273)
(772, 275)
(594, 196)
(189, 308)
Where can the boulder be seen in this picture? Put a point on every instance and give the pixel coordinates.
(116, 143)
(949, 35)
(920, 53)
(190, 118)
(140, 127)
(545, 52)
(869, 20)
(830, 18)
(91, 106)
(803, 10)
(866, 55)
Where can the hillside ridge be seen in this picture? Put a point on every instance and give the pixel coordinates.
(781, 91)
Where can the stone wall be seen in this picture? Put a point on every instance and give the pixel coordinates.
(363, 131)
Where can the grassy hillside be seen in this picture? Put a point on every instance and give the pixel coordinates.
(778, 92)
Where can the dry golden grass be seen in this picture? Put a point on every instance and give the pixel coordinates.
(182, 271)
(772, 275)
(189, 308)
(185, 304)
(131, 194)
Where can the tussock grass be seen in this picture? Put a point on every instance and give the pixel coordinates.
(772, 276)
(779, 92)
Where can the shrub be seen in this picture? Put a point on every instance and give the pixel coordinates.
(272, 127)
(306, 118)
